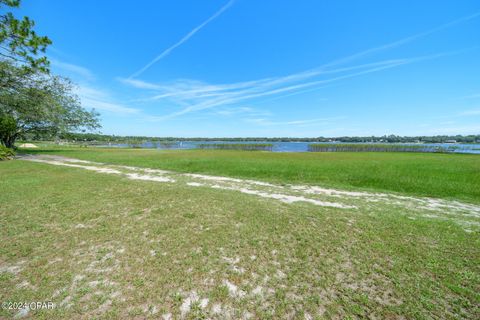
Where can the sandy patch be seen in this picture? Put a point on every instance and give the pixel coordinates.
(194, 184)
(91, 168)
(191, 299)
(285, 198)
(258, 291)
(27, 145)
(167, 316)
(135, 176)
(75, 160)
(233, 290)
(14, 269)
(22, 313)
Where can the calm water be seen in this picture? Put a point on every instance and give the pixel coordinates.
(290, 146)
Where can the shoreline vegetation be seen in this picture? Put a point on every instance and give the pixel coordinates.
(376, 147)
(270, 147)
(237, 146)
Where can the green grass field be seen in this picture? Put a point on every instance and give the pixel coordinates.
(104, 246)
(453, 176)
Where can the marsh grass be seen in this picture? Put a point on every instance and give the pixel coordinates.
(377, 147)
(167, 144)
(237, 146)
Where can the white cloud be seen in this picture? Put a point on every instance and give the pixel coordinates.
(108, 106)
(242, 111)
(317, 121)
(195, 95)
(72, 68)
(139, 84)
(404, 40)
(89, 92)
(90, 96)
(101, 100)
(473, 112)
(472, 96)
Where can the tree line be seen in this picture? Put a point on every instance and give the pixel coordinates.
(94, 137)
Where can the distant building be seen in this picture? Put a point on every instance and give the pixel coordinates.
(451, 141)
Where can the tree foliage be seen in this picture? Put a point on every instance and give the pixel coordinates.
(19, 42)
(39, 104)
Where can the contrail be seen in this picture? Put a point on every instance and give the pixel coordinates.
(167, 51)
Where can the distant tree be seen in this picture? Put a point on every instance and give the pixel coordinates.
(18, 41)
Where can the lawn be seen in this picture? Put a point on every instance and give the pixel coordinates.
(103, 246)
(452, 176)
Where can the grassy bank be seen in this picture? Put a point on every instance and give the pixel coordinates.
(106, 247)
(451, 176)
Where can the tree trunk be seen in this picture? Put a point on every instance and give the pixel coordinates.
(9, 141)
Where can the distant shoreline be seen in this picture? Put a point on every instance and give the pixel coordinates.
(89, 137)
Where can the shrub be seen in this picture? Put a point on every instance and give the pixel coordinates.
(6, 153)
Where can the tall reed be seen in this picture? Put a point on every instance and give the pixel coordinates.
(376, 147)
(237, 146)
(168, 144)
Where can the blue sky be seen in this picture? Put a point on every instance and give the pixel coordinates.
(305, 68)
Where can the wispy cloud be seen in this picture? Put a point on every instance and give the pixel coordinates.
(185, 38)
(89, 93)
(101, 100)
(83, 72)
(404, 41)
(242, 111)
(472, 96)
(108, 106)
(196, 96)
(139, 84)
(267, 122)
(473, 112)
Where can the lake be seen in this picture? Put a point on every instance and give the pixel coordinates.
(283, 146)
